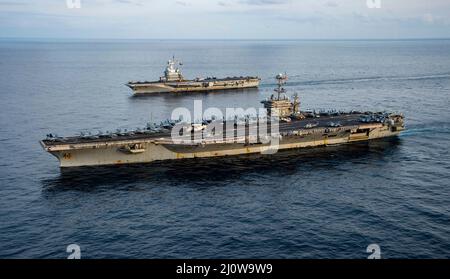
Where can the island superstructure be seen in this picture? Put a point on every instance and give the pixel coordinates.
(174, 81)
(296, 129)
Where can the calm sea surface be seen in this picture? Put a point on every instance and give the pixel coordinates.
(321, 203)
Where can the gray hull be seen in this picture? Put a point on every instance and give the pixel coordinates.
(192, 86)
(153, 149)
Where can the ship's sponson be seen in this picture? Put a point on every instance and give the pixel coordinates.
(142, 147)
(197, 85)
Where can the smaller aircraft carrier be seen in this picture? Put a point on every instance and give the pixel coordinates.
(173, 81)
(296, 129)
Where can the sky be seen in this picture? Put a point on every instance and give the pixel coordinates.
(225, 19)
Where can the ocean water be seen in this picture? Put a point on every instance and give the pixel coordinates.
(321, 203)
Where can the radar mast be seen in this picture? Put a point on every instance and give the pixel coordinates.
(281, 80)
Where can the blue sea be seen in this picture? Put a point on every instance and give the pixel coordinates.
(327, 202)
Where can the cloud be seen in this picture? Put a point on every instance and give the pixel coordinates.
(264, 2)
(224, 4)
(331, 4)
(235, 19)
(301, 19)
(182, 3)
(13, 3)
(132, 2)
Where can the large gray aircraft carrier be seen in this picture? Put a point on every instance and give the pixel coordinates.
(295, 129)
(173, 81)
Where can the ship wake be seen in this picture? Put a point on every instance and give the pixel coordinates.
(361, 79)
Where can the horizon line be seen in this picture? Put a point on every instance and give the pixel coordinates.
(218, 39)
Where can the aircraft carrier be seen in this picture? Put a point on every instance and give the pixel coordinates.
(295, 129)
(173, 81)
